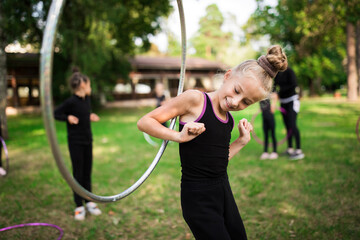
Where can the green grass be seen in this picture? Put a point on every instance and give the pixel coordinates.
(314, 198)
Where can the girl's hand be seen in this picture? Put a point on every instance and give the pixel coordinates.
(190, 131)
(94, 117)
(73, 120)
(244, 129)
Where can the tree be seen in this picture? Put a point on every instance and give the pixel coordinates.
(352, 17)
(313, 33)
(99, 36)
(211, 41)
(174, 45)
(351, 59)
(19, 20)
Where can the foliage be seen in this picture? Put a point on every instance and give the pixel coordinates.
(314, 198)
(174, 45)
(99, 36)
(20, 20)
(210, 41)
(23, 21)
(313, 33)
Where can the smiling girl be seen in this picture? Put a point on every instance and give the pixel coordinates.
(204, 135)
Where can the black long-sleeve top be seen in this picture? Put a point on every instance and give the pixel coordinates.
(265, 107)
(286, 82)
(81, 108)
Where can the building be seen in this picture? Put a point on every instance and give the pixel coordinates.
(23, 77)
(199, 72)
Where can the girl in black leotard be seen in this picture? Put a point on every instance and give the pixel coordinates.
(207, 202)
(268, 123)
(285, 84)
(76, 112)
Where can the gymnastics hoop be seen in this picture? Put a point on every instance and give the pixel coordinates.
(357, 129)
(149, 140)
(46, 65)
(257, 139)
(6, 155)
(35, 224)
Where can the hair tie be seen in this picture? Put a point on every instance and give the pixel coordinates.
(268, 67)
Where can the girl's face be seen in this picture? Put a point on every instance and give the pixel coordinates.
(239, 91)
(86, 86)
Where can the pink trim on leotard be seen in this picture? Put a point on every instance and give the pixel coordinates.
(223, 121)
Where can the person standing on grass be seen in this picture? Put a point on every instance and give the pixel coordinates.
(76, 111)
(285, 84)
(2, 170)
(208, 204)
(268, 122)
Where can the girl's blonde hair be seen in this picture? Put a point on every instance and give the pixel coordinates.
(265, 68)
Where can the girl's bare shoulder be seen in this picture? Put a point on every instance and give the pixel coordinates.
(193, 96)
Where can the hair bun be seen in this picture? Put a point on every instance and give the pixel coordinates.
(277, 58)
(75, 70)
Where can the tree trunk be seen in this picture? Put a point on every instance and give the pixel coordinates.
(3, 92)
(312, 92)
(3, 83)
(351, 55)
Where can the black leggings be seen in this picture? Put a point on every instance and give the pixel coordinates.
(289, 117)
(210, 210)
(269, 125)
(81, 159)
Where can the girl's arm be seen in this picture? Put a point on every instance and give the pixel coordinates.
(274, 99)
(244, 137)
(60, 112)
(188, 105)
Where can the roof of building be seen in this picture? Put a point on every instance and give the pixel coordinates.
(168, 63)
(22, 59)
(138, 62)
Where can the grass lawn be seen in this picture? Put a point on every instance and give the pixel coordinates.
(314, 198)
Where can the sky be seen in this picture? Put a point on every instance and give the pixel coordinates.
(195, 9)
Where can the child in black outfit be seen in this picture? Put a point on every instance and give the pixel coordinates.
(76, 111)
(286, 85)
(268, 121)
(205, 125)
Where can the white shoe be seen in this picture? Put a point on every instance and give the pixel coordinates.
(2, 172)
(79, 213)
(297, 155)
(264, 156)
(93, 209)
(273, 156)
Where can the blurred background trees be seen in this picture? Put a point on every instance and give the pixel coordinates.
(321, 38)
(99, 36)
(21, 21)
(96, 36)
(315, 35)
